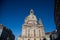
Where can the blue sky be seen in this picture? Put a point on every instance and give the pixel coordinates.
(13, 13)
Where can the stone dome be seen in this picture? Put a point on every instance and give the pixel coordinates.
(31, 16)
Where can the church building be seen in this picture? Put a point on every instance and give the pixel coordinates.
(32, 29)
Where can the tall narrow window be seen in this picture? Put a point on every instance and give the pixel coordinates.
(40, 39)
(34, 32)
(39, 33)
(34, 39)
(28, 32)
(28, 39)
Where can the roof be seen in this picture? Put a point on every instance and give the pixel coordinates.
(48, 33)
